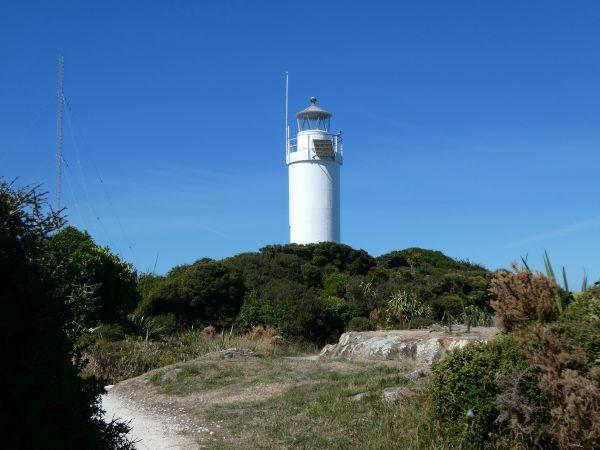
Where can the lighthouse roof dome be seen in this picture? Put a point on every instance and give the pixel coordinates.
(313, 112)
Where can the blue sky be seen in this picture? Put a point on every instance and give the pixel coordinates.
(470, 127)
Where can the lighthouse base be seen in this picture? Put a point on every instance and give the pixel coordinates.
(314, 201)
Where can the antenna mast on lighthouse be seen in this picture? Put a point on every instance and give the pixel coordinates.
(60, 97)
(287, 125)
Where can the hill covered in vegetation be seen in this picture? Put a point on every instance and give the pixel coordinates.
(312, 291)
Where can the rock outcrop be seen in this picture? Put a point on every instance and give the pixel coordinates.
(421, 346)
(238, 353)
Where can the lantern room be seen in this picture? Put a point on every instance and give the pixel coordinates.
(313, 118)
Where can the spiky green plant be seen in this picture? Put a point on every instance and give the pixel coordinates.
(146, 326)
(550, 274)
(565, 282)
(548, 265)
(405, 306)
(524, 261)
(584, 283)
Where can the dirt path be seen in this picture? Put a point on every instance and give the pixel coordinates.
(173, 407)
(150, 429)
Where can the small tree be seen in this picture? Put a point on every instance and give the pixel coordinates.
(405, 306)
(469, 314)
(45, 403)
(147, 327)
(76, 259)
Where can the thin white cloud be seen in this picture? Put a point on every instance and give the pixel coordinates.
(565, 230)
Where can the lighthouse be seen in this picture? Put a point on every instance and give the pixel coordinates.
(314, 158)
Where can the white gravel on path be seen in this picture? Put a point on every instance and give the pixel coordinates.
(150, 430)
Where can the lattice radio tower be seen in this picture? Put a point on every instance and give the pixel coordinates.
(60, 96)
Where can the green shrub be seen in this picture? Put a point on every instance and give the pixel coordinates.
(153, 327)
(466, 380)
(295, 311)
(250, 313)
(207, 291)
(167, 323)
(412, 257)
(108, 333)
(338, 308)
(359, 324)
(448, 304)
(422, 322)
(311, 275)
(146, 282)
(581, 322)
(78, 260)
(335, 284)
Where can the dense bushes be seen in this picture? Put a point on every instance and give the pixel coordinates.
(538, 386)
(294, 310)
(78, 261)
(45, 404)
(359, 324)
(581, 322)
(464, 385)
(311, 291)
(522, 298)
(208, 291)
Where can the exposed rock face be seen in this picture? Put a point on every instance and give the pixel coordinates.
(421, 346)
(358, 397)
(238, 353)
(395, 394)
(417, 374)
(171, 374)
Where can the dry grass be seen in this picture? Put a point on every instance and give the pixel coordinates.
(116, 361)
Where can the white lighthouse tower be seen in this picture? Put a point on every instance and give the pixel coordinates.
(314, 158)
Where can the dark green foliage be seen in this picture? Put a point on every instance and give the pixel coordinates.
(45, 404)
(422, 322)
(581, 322)
(441, 282)
(335, 284)
(108, 333)
(296, 311)
(417, 257)
(467, 380)
(146, 282)
(78, 260)
(207, 291)
(250, 313)
(338, 313)
(166, 323)
(340, 256)
(323, 282)
(359, 324)
(311, 275)
(166, 297)
(448, 304)
(216, 292)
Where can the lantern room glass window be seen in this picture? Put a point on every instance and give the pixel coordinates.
(318, 123)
